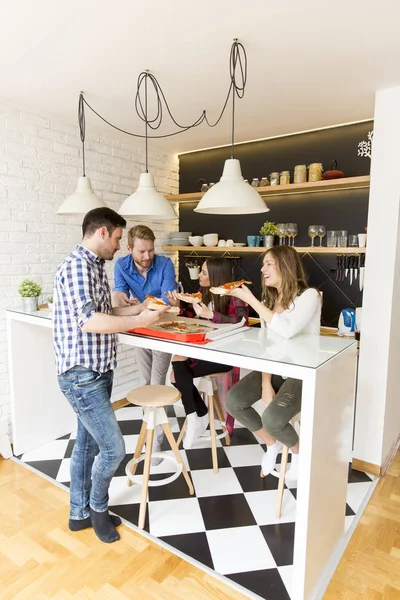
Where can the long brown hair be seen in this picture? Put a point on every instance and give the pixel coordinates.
(293, 276)
(219, 272)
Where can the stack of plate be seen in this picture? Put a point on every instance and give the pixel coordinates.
(179, 238)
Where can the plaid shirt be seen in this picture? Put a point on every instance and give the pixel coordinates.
(81, 289)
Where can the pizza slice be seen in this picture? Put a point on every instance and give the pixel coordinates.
(228, 287)
(191, 298)
(158, 303)
(179, 326)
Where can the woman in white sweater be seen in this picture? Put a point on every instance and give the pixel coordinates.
(289, 307)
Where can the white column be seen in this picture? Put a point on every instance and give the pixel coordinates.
(378, 396)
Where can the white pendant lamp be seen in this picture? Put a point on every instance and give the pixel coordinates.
(84, 199)
(146, 203)
(232, 196)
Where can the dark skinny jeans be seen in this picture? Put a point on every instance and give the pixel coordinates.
(187, 370)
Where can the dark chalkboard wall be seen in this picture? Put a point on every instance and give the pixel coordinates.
(280, 154)
(344, 209)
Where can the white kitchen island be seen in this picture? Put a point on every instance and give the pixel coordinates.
(327, 368)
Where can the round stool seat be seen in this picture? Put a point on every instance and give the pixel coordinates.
(154, 395)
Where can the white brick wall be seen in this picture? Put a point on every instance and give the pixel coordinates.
(40, 161)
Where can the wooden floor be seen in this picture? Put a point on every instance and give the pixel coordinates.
(370, 566)
(40, 559)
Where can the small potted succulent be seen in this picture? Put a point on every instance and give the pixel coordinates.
(30, 292)
(194, 269)
(269, 230)
(50, 302)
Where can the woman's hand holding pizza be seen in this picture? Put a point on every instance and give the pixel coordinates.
(203, 311)
(243, 293)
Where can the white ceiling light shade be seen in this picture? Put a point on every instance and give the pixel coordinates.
(146, 203)
(82, 200)
(232, 195)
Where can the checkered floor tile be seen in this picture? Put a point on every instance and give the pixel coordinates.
(229, 525)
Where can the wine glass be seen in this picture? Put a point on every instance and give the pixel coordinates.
(321, 233)
(282, 231)
(289, 229)
(313, 232)
(295, 231)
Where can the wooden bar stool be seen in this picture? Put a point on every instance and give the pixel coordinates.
(282, 473)
(208, 387)
(154, 398)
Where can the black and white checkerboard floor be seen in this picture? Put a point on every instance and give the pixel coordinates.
(229, 525)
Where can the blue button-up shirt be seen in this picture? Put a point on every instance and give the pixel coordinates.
(81, 289)
(160, 278)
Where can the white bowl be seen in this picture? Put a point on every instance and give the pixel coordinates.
(210, 239)
(196, 240)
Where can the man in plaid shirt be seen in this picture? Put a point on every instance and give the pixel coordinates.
(84, 337)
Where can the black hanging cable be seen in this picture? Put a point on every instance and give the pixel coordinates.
(238, 90)
(82, 122)
(233, 125)
(237, 60)
(138, 135)
(237, 50)
(146, 126)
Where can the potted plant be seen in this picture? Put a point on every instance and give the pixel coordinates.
(50, 302)
(269, 230)
(30, 291)
(194, 269)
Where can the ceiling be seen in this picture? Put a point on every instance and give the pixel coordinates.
(311, 64)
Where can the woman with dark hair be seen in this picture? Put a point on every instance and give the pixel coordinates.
(218, 309)
(288, 307)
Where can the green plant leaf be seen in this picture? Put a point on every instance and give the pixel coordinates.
(29, 289)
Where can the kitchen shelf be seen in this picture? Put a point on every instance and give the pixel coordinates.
(326, 185)
(261, 249)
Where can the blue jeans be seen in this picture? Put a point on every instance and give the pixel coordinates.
(99, 447)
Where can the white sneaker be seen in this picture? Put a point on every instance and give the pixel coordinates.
(191, 431)
(269, 459)
(292, 473)
(202, 424)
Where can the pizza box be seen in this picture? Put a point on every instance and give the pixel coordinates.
(207, 331)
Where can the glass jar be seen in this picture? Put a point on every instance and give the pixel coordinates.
(315, 172)
(331, 239)
(342, 238)
(204, 187)
(284, 178)
(300, 174)
(274, 178)
(255, 182)
(353, 240)
(264, 182)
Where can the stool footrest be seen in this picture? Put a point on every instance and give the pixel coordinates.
(155, 483)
